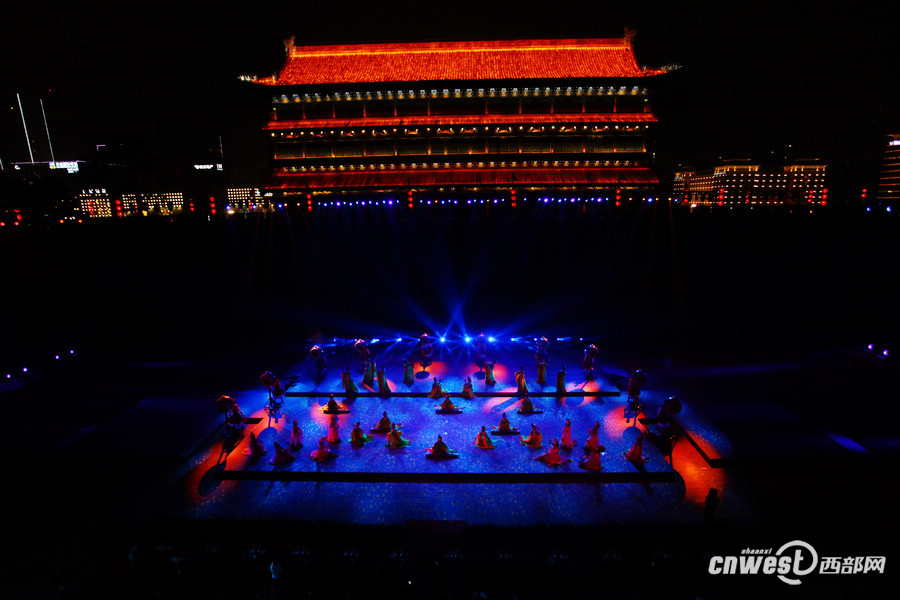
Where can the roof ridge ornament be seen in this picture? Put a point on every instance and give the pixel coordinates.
(289, 44)
(629, 36)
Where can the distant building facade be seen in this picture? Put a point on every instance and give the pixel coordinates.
(889, 179)
(742, 182)
(460, 117)
(95, 203)
(100, 203)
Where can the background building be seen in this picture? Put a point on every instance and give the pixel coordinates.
(743, 182)
(889, 179)
(461, 117)
(95, 203)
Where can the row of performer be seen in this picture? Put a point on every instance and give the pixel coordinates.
(374, 376)
(592, 447)
(423, 352)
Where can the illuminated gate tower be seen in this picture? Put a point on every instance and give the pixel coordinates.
(457, 118)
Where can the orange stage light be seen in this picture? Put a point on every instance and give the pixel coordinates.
(697, 474)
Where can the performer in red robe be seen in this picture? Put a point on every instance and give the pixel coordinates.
(296, 437)
(552, 457)
(282, 456)
(483, 440)
(565, 440)
(334, 437)
(534, 439)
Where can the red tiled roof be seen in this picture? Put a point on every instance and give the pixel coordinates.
(459, 61)
(463, 177)
(459, 120)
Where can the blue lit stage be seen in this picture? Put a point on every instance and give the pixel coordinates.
(504, 486)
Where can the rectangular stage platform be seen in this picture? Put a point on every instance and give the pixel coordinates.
(376, 484)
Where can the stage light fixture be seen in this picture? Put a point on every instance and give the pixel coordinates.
(443, 339)
(871, 346)
(468, 339)
(490, 339)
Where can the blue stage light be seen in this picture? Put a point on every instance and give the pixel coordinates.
(871, 346)
(398, 339)
(490, 339)
(24, 369)
(443, 339)
(56, 357)
(468, 339)
(375, 340)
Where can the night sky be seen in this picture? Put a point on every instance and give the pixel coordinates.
(755, 77)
